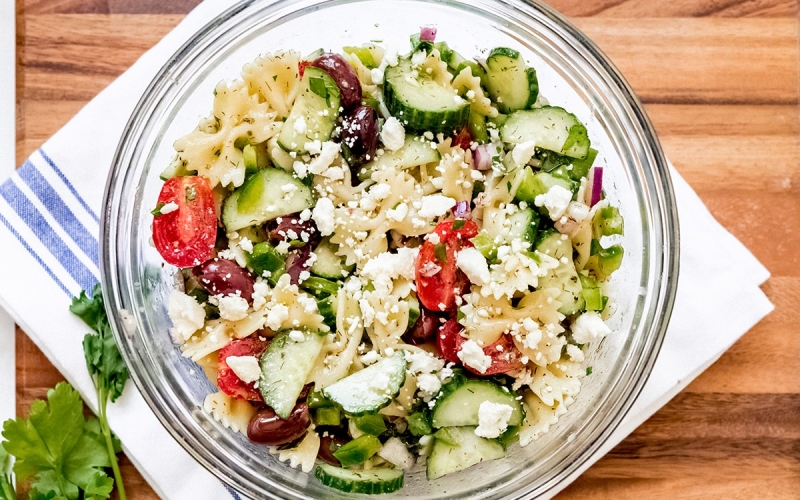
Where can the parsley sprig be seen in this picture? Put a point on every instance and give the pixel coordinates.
(105, 365)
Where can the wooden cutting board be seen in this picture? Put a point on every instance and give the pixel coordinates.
(719, 79)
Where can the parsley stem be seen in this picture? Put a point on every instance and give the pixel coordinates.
(8, 490)
(102, 398)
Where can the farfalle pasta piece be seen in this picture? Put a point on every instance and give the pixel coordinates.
(276, 79)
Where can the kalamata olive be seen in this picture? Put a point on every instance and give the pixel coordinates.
(360, 135)
(292, 228)
(329, 444)
(268, 428)
(225, 277)
(344, 75)
(424, 329)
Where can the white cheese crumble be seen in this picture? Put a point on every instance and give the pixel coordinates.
(297, 336)
(276, 316)
(474, 265)
(522, 153)
(435, 205)
(492, 419)
(393, 135)
(321, 165)
(380, 381)
(168, 208)
(575, 353)
(300, 125)
(232, 307)
(187, 315)
(323, 216)
(555, 200)
(428, 385)
(472, 355)
(245, 367)
(398, 214)
(370, 358)
(589, 327)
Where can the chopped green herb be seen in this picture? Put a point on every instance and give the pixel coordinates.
(440, 251)
(274, 78)
(157, 211)
(317, 86)
(588, 370)
(458, 224)
(508, 185)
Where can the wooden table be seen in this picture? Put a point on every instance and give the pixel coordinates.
(720, 81)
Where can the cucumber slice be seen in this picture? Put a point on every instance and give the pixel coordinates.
(524, 225)
(420, 103)
(329, 265)
(262, 198)
(314, 113)
(532, 185)
(459, 404)
(370, 389)
(285, 367)
(551, 128)
(371, 482)
(278, 156)
(566, 167)
(460, 450)
(565, 276)
(511, 85)
(414, 152)
(319, 287)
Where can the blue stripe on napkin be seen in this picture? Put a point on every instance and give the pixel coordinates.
(31, 216)
(60, 211)
(33, 254)
(68, 184)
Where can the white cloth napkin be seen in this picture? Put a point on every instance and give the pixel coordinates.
(49, 246)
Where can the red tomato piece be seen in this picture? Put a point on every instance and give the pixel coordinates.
(185, 233)
(449, 340)
(301, 67)
(439, 280)
(227, 381)
(505, 359)
(463, 139)
(505, 356)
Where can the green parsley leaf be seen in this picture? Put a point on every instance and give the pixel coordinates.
(53, 446)
(157, 211)
(7, 491)
(317, 86)
(458, 224)
(440, 251)
(103, 359)
(588, 370)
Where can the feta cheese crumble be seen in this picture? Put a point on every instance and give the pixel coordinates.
(187, 315)
(323, 216)
(589, 327)
(168, 208)
(245, 367)
(232, 307)
(435, 205)
(555, 200)
(474, 265)
(492, 419)
(472, 355)
(393, 135)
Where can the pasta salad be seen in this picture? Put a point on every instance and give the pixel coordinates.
(388, 260)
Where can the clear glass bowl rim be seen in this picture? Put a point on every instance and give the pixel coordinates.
(656, 319)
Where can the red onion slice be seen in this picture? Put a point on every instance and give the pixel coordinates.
(427, 34)
(461, 210)
(596, 185)
(482, 157)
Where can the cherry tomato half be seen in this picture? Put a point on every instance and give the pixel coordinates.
(505, 355)
(184, 234)
(227, 381)
(438, 278)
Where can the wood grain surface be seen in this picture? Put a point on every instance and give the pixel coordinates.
(720, 80)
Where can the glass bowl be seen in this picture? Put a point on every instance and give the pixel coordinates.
(572, 72)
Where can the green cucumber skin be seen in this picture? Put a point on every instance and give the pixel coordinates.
(415, 151)
(307, 106)
(285, 367)
(511, 85)
(550, 127)
(447, 117)
(469, 450)
(459, 407)
(329, 265)
(371, 482)
(354, 393)
(260, 199)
